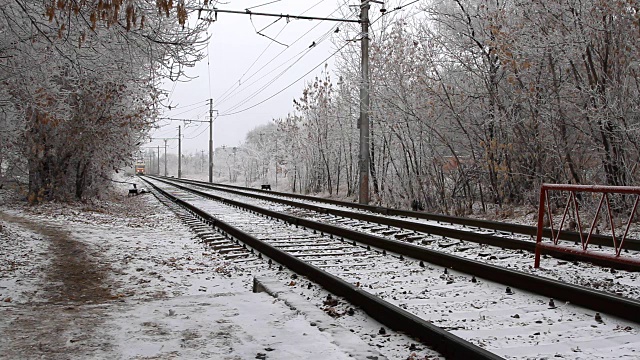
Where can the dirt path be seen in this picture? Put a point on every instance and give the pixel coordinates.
(57, 322)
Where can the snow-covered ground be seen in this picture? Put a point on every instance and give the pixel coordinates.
(515, 325)
(125, 278)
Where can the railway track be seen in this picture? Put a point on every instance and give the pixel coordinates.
(378, 276)
(504, 252)
(499, 234)
(495, 227)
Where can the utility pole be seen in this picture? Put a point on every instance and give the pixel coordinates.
(210, 140)
(234, 163)
(165, 153)
(201, 161)
(363, 122)
(179, 152)
(165, 157)
(364, 105)
(276, 164)
(263, 170)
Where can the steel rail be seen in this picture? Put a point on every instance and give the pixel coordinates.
(488, 239)
(603, 240)
(388, 314)
(596, 300)
(409, 225)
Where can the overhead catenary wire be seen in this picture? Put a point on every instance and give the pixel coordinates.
(231, 111)
(400, 7)
(270, 2)
(296, 57)
(198, 135)
(299, 57)
(277, 77)
(186, 121)
(186, 111)
(259, 32)
(295, 60)
(287, 16)
(288, 86)
(164, 124)
(164, 133)
(230, 88)
(185, 106)
(196, 120)
(171, 92)
(224, 95)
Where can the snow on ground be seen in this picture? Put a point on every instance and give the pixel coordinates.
(124, 278)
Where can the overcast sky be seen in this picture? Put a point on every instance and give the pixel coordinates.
(241, 62)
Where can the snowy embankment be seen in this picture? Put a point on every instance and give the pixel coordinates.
(124, 278)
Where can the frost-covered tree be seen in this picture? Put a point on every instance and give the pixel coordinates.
(481, 102)
(81, 79)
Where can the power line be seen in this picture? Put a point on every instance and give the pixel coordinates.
(224, 95)
(298, 56)
(269, 83)
(162, 133)
(200, 133)
(259, 32)
(400, 7)
(257, 92)
(288, 86)
(171, 93)
(171, 108)
(186, 111)
(202, 114)
(271, 2)
(188, 130)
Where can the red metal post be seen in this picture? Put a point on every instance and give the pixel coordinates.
(626, 231)
(540, 225)
(578, 221)
(593, 224)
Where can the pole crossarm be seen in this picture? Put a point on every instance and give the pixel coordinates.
(185, 120)
(167, 138)
(282, 16)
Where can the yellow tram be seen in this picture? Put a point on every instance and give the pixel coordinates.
(139, 168)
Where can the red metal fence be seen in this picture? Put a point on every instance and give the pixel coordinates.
(577, 204)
